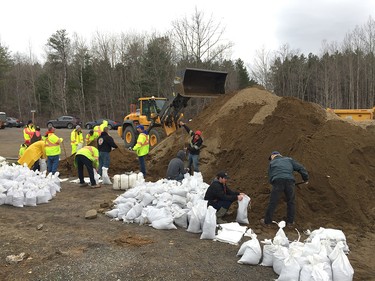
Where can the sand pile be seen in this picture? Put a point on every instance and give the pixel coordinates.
(241, 129)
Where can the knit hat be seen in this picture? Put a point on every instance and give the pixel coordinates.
(29, 122)
(198, 133)
(274, 153)
(140, 127)
(78, 127)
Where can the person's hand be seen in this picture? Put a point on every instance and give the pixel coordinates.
(306, 182)
(182, 123)
(240, 196)
(130, 148)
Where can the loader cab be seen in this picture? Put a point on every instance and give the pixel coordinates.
(151, 107)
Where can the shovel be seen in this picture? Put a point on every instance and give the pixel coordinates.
(68, 166)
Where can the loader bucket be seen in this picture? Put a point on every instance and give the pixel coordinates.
(201, 83)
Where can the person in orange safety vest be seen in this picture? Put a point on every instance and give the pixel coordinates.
(28, 132)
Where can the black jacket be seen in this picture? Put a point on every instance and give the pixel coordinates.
(194, 145)
(106, 142)
(218, 192)
(283, 167)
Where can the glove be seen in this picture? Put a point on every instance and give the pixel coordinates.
(130, 148)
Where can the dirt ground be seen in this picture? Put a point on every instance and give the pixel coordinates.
(239, 131)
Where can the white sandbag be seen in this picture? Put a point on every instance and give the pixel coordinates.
(96, 176)
(197, 215)
(117, 182)
(105, 176)
(112, 213)
(9, 198)
(154, 214)
(209, 223)
(132, 179)
(290, 271)
(134, 212)
(177, 199)
(2, 198)
(147, 199)
(268, 250)
(278, 259)
(315, 272)
(30, 198)
(253, 252)
(178, 191)
(124, 182)
(41, 197)
(280, 237)
(164, 223)
(52, 188)
(18, 198)
(341, 267)
(180, 219)
(242, 210)
(42, 165)
(79, 146)
(124, 208)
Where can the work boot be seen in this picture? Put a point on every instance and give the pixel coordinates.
(219, 215)
(83, 184)
(262, 222)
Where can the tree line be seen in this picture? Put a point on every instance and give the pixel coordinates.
(343, 76)
(102, 78)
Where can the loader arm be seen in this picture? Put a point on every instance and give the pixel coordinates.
(193, 83)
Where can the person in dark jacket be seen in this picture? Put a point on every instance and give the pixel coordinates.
(194, 147)
(176, 168)
(220, 196)
(105, 145)
(280, 173)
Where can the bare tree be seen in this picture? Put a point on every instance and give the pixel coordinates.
(199, 40)
(261, 68)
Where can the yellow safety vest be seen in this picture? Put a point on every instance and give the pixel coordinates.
(142, 147)
(91, 153)
(52, 144)
(28, 133)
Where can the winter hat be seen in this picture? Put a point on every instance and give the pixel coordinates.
(78, 127)
(140, 127)
(198, 133)
(274, 153)
(223, 175)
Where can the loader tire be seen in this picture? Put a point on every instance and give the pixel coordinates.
(156, 135)
(130, 137)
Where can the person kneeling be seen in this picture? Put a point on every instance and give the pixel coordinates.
(220, 196)
(176, 168)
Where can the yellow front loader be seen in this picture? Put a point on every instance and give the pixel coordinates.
(160, 116)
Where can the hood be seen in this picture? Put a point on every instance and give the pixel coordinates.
(181, 154)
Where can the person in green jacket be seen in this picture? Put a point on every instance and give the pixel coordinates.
(142, 147)
(87, 156)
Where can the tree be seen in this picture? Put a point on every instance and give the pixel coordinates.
(198, 40)
(59, 48)
(243, 76)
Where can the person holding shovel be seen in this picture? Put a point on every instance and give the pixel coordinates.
(87, 156)
(194, 147)
(280, 173)
(53, 150)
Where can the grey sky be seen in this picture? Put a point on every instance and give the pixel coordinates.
(250, 25)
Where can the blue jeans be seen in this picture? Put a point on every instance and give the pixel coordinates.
(281, 186)
(142, 165)
(194, 160)
(104, 160)
(52, 164)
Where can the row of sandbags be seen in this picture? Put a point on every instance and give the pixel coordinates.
(321, 257)
(20, 186)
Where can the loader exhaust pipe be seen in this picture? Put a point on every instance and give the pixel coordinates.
(201, 83)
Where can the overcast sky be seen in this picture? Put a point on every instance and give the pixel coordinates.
(250, 24)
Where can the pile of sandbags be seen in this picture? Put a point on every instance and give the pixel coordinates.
(321, 257)
(20, 186)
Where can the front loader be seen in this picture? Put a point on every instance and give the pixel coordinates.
(160, 116)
